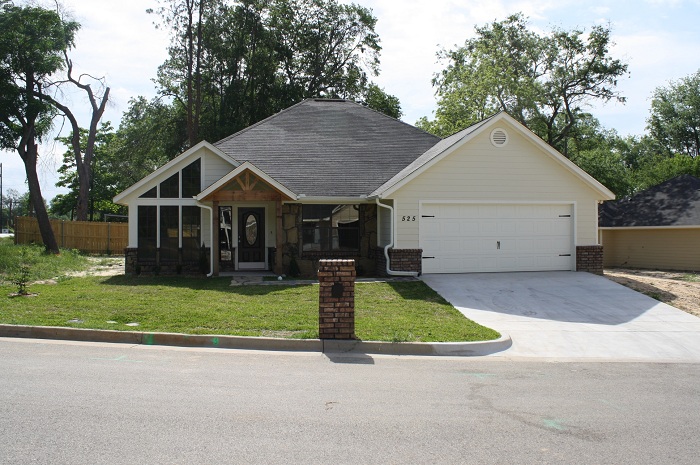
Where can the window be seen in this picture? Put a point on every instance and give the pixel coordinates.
(191, 233)
(147, 232)
(150, 194)
(191, 179)
(169, 229)
(170, 188)
(330, 228)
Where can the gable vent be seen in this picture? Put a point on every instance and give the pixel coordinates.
(499, 137)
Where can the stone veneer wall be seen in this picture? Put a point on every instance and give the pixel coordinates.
(336, 299)
(589, 258)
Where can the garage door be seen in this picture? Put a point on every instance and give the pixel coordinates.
(458, 238)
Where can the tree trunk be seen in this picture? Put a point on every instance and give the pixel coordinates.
(28, 150)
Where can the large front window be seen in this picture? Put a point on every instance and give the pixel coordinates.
(169, 229)
(147, 232)
(330, 228)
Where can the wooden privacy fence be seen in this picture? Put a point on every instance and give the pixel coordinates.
(86, 236)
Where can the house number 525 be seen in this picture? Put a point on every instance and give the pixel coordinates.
(408, 218)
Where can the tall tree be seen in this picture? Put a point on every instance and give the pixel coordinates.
(675, 116)
(233, 63)
(544, 81)
(83, 148)
(181, 76)
(32, 43)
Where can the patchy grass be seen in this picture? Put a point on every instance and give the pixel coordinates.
(406, 311)
(690, 277)
(41, 265)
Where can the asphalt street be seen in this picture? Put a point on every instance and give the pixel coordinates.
(93, 403)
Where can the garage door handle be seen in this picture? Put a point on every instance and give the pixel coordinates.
(564, 254)
(427, 257)
(498, 245)
(427, 216)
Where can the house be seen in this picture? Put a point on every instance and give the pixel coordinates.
(658, 228)
(335, 179)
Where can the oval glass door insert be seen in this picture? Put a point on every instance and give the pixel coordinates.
(251, 229)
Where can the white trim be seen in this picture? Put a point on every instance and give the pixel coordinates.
(625, 228)
(332, 200)
(605, 193)
(238, 170)
(183, 156)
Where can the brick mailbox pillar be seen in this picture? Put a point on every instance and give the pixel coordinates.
(336, 299)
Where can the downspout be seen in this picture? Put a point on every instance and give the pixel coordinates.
(211, 238)
(389, 271)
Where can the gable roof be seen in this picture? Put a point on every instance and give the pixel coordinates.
(451, 143)
(675, 202)
(237, 171)
(184, 155)
(321, 148)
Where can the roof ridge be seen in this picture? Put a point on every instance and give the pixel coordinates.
(366, 106)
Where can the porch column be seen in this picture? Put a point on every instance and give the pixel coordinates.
(215, 246)
(279, 242)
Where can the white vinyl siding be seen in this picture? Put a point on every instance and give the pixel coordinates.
(214, 168)
(384, 223)
(477, 171)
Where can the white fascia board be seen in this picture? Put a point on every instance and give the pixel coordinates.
(119, 198)
(627, 228)
(333, 200)
(238, 170)
(549, 150)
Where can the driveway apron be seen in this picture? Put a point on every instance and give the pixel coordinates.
(570, 315)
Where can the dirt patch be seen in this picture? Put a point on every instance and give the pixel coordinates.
(681, 290)
(102, 266)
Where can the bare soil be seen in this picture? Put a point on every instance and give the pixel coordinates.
(102, 266)
(676, 288)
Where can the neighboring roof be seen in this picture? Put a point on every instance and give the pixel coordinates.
(322, 148)
(451, 143)
(675, 202)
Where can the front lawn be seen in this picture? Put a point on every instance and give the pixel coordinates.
(400, 311)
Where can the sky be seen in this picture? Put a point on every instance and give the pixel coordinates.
(659, 39)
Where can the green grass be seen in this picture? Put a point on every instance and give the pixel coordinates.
(41, 264)
(691, 277)
(402, 311)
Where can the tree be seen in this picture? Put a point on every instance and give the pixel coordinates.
(375, 98)
(542, 81)
(32, 43)
(674, 122)
(14, 204)
(234, 63)
(106, 178)
(180, 76)
(83, 148)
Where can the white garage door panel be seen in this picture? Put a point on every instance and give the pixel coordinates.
(496, 237)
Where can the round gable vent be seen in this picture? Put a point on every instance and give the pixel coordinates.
(499, 137)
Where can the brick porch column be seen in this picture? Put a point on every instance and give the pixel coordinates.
(336, 299)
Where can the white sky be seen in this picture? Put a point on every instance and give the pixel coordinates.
(658, 38)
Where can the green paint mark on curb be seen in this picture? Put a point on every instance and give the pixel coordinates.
(215, 341)
(148, 339)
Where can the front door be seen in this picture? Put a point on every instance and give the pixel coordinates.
(251, 238)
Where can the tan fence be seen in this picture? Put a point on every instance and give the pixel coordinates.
(86, 236)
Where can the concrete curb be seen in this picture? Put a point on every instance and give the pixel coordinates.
(259, 343)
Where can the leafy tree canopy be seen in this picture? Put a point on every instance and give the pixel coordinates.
(544, 81)
(674, 122)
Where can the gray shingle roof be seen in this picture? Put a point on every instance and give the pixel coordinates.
(329, 147)
(675, 202)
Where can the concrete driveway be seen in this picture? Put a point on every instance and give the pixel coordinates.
(568, 315)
